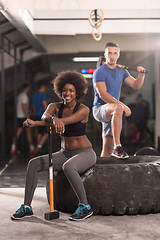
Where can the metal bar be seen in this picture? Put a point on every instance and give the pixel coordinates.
(2, 48)
(25, 49)
(86, 19)
(50, 145)
(95, 12)
(9, 45)
(9, 31)
(9, 40)
(20, 43)
(157, 98)
(22, 68)
(4, 21)
(15, 97)
(2, 99)
(51, 170)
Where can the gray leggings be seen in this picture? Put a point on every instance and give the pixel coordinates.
(72, 163)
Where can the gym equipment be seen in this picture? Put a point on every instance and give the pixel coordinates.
(102, 60)
(117, 187)
(147, 151)
(53, 214)
(129, 68)
(95, 20)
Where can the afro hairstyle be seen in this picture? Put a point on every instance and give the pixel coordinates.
(71, 77)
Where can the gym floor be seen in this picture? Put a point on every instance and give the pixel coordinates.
(12, 180)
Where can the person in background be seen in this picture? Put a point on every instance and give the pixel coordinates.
(22, 111)
(39, 101)
(142, 115)
(107, 109)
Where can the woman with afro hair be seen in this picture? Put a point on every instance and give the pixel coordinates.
(69, 117)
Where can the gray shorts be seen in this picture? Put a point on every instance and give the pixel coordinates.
(99, 113)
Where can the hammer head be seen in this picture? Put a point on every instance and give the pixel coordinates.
(51, 215)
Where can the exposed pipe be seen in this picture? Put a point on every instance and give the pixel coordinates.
(2, 99)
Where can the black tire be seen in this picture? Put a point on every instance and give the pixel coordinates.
(115, 186)
(147, 151)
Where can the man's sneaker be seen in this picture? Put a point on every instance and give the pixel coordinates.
(119, 153)
(22, 212)
(81, 213)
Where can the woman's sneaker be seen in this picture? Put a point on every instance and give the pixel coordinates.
(118, 152)
(81, 213)
(22, 212)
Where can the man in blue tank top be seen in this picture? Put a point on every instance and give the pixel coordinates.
(107, 109)
(39, 100)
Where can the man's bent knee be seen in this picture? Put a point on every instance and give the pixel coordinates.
(118, 109)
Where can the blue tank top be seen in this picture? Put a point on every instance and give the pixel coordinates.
(74, 129)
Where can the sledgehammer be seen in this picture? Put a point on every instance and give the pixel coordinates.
(53, 214)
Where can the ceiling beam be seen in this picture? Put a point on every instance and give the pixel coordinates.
(15, 19)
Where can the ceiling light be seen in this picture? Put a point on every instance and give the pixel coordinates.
(88, 75)
(85, 59)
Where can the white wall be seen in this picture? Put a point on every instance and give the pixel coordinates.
(86, 43)
(157, 92)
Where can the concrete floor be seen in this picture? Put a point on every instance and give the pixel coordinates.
(97, 227)
(12, 180)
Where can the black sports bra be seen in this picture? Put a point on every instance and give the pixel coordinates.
(74, 129)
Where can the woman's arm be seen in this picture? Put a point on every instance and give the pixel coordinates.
(30, 123)
(59, 123)
(80, 115)
(48, 114)
(48, 117)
